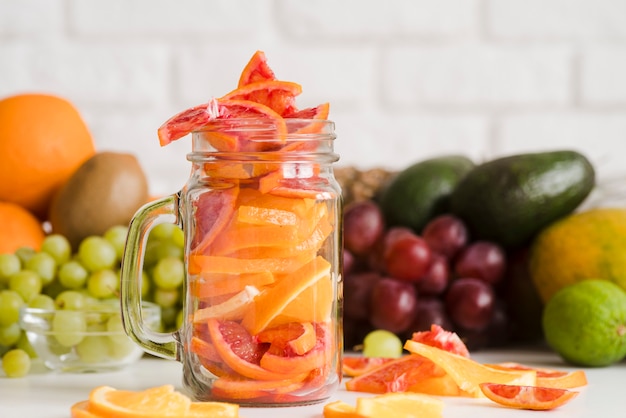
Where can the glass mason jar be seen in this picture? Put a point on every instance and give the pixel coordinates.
(261, 214)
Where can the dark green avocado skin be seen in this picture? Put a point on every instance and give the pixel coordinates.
(510, 199)
(422, 191)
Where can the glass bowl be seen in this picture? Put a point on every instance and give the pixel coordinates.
(88, 340)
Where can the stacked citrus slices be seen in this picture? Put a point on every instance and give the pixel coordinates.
(260, 277)
(439, 364)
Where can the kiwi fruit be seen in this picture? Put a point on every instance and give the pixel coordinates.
(105, 191)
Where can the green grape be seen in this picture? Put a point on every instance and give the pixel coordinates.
(178, 238)
(70, 300)
(58, 247)
(68, 327)
(120, 346)
(24, 254)
(93, 349)
(179, 319)
(163, 232)
(27, 283)
(96, 253)
(24, 344)
(169, 273)
(168, 316)
(42, 302)
(44, 265)
(145, 284)
(16, 363)
(166, 298)
(382, 343)
(9, 265)
(158, 250)
(103, 284)
(10, 334)
(73, 275)
(116, 235)
(10, 304)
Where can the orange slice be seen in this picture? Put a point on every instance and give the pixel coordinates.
(400, 405)
(356, 366)
(213, 211)
(156, 402)
(231, 265)
(299, 337)
(469, 374)
(204, 349)
(256, 69)
(277, 95)
(81, 410)
(339, 409)
(242, 389)
(548, 378)
(217, 284)
(272, 301)
(213, 409)
(232, 308)
(312, 125)
(527, 397)
(266, 216)
(239, 351)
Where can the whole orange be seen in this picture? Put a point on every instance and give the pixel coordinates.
(43, 140)
(18, 228)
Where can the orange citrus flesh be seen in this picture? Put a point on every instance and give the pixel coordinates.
(261, 283)
(549, 378)
(156, 402)
(356, 366)
(339, 409)
(256, 69)
(400, 405)
(527, 397)
(467, 373)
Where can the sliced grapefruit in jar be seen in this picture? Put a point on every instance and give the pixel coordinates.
(280, 96)
(256, 69)
(527, 397)
(213, 211)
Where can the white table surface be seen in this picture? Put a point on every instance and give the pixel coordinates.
(45, 394)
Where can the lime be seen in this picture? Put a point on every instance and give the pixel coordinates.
(586, 323)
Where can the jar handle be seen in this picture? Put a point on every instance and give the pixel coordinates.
(147, 217)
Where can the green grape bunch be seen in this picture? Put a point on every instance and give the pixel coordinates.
(55, 277)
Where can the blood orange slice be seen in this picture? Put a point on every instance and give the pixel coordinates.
(393, 376)
(548, 378)
(356, 366)
(280, 96)
(213, 211)
(467, 373)
(527, 397)
(183, 123)
(440, 338)
(256, 69)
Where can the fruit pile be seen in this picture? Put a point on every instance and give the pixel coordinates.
(64, 208)
(56, 278)
(446, 241)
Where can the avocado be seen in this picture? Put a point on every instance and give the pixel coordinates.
(105, 191)
(510, 199)
(421, 191)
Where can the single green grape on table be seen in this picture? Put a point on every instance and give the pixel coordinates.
(382, 343)
(16, 363)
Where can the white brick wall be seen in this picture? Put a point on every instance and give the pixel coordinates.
(406, 79)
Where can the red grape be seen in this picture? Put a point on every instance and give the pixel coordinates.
(429, 311)
(356, 294)
(393, 304)
(348, 262)
(470, 303)
(407, 258)
(446, 235)
(363, 225)
(482, 260)
(436, 279)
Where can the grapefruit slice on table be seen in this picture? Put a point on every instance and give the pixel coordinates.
(548, 378)
(358, 365)
(527, 397)
(469, 374)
